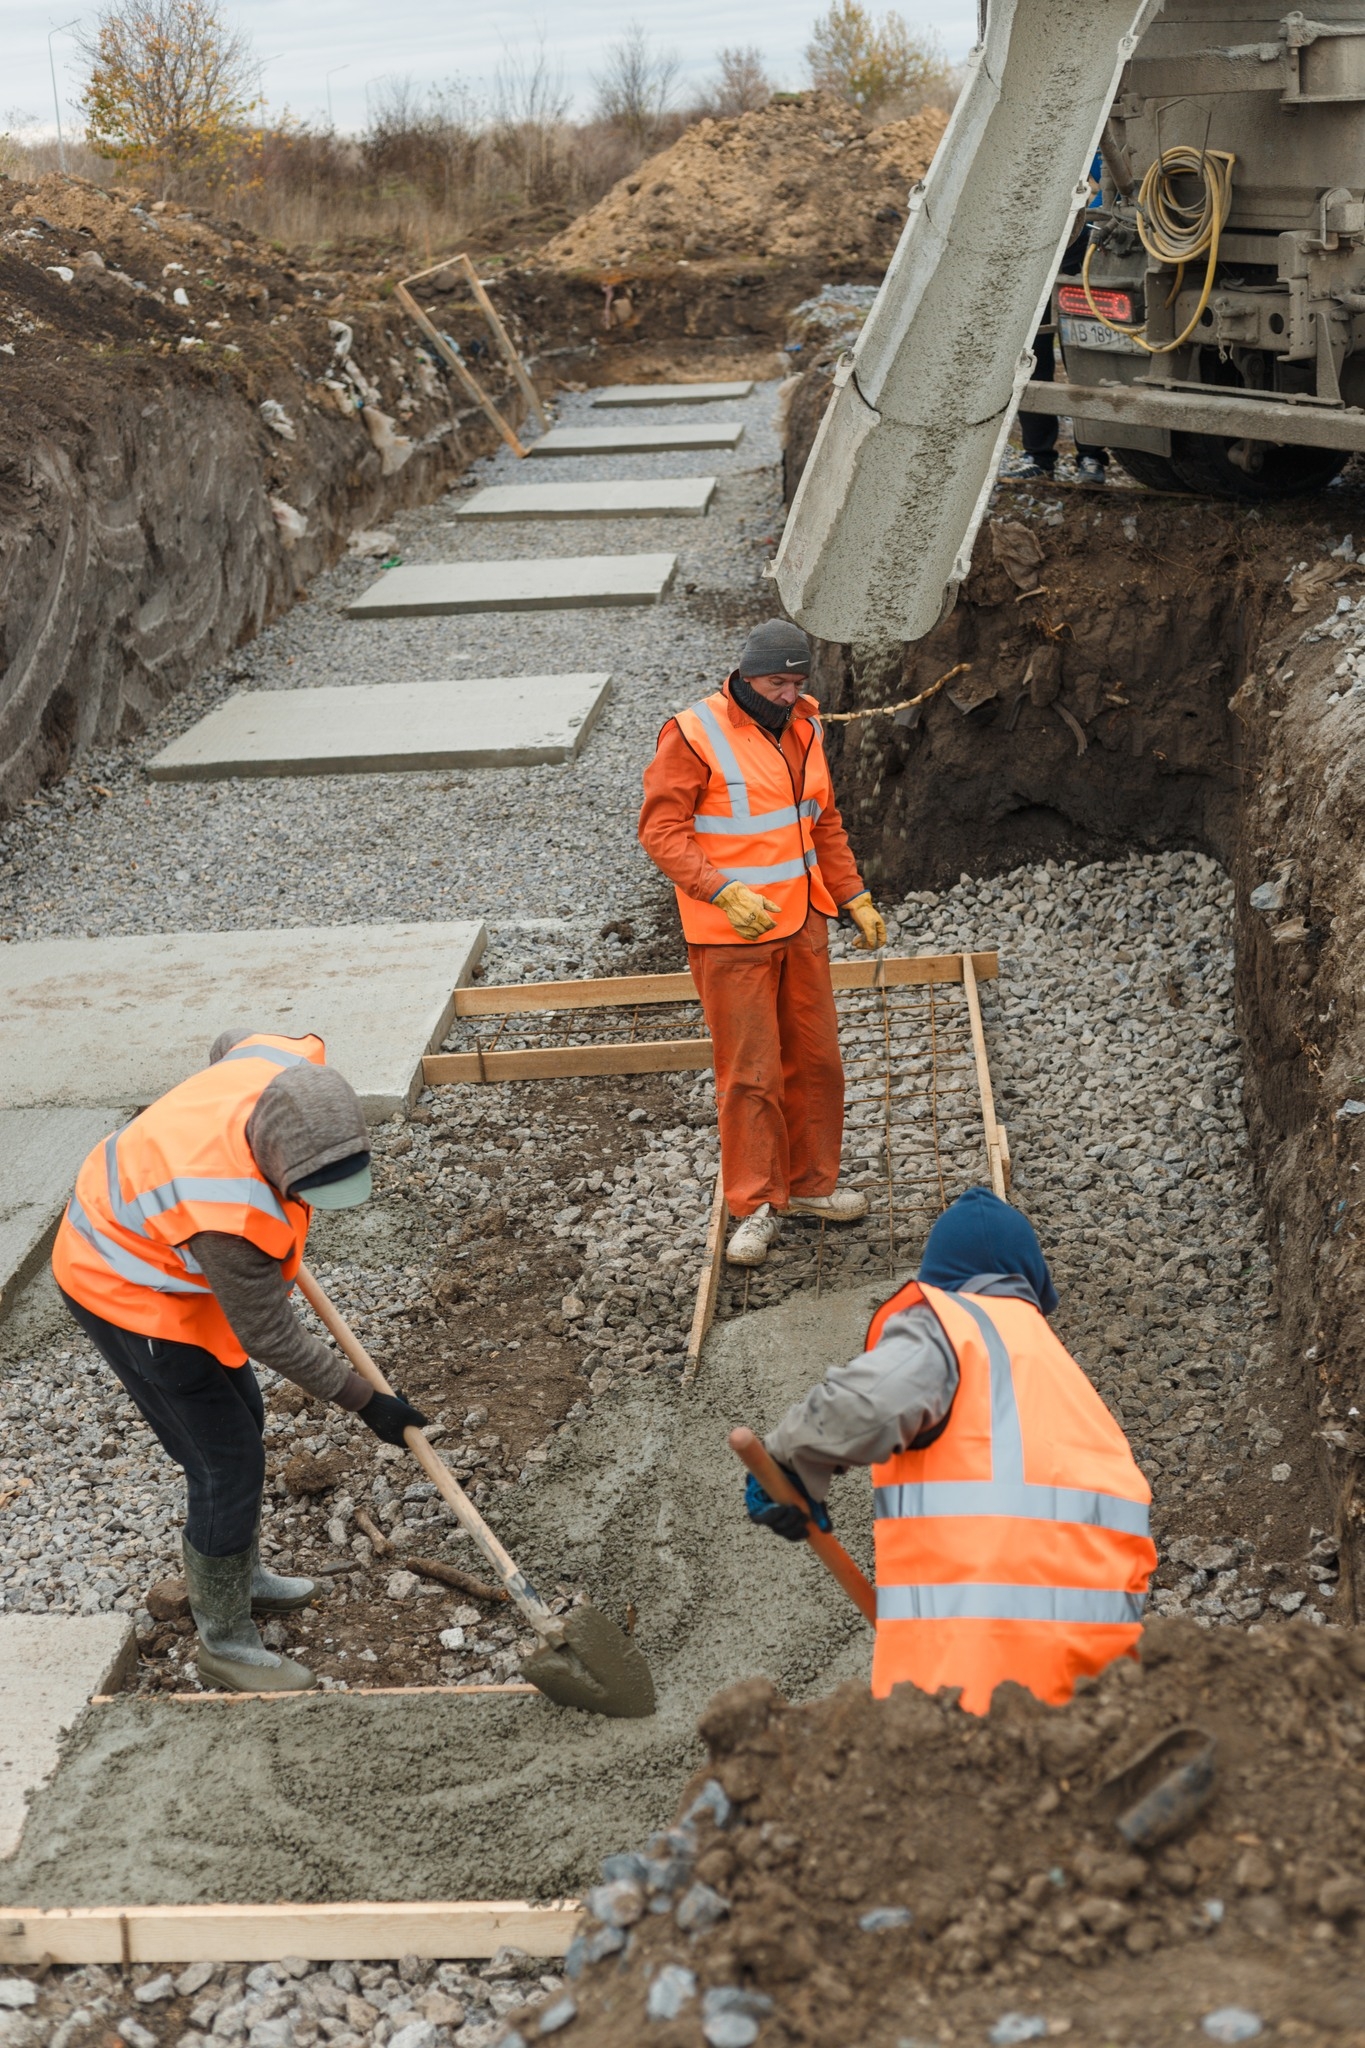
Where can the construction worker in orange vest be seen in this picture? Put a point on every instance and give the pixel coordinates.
(1011, 1520)
(739, 813)
(176, 1255)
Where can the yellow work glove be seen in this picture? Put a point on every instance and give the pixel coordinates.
(870, 922)
(749, 913)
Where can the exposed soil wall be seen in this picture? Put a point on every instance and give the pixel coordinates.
(141, 481)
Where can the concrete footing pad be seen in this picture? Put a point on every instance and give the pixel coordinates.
(90, 1021)
(641, 440)
(40, 1152)
(490, 722)
(566, 583)
(687, 497)
(668, 394)
(50, 1664)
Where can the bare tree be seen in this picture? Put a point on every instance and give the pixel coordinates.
(636, 86)
(742, 84)
(530, 108)
(170, 86)
(877, 64)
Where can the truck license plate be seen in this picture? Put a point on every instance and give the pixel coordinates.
(1094, 334)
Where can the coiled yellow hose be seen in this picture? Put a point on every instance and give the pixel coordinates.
(1175, 233)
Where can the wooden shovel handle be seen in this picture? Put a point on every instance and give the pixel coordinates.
(751, 1452)
(432, 1463)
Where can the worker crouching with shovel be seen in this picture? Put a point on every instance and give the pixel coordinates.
(176, 1255)
(1011, 1520)
(739, 814)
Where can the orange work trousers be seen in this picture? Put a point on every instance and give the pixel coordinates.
(779, 1078)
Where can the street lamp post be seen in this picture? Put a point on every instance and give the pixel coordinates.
(330, 76)
(56, 103)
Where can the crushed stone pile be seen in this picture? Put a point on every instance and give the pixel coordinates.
(804, 177)
(897, 1872)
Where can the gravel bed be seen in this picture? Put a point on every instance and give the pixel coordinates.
(290, 2004)
(1112, 1044)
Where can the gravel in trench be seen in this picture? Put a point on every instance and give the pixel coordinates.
(531, 1247)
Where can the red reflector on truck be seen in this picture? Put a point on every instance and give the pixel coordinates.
(1114, 305)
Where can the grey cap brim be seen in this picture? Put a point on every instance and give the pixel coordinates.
(341, 1194)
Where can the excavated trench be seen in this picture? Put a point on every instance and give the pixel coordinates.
(1148, 673)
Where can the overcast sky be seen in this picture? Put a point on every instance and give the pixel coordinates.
(301, 40)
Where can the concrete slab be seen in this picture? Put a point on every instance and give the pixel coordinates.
(50, 1664)
(40, 1151)
(489, 722)
(687, 497)
(669, 394)
(641, 440)
(88, 1021)
(564, 584)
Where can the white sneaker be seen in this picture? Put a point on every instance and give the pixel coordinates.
(751, 1242)
(845, 1205)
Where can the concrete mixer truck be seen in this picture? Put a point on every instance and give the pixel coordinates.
(1213, 336)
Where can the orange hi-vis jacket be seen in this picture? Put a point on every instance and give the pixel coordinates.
(1014, 1544)
(756, 819)
(183, 1166)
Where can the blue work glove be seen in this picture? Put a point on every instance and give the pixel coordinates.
(783, 1520)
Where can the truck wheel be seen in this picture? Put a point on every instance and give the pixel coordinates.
(1202, 463)
(1157, 472)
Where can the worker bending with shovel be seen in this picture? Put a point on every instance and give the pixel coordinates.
(1011, 1519)
(176, 1255)
(739, 813)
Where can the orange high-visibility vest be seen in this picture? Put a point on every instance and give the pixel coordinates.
(755, 820)
(1014, 1544)
(183, 1166)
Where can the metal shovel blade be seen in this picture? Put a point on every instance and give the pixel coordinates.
(596, 1667)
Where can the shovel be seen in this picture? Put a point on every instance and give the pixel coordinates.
(753, 1453)
(584, 1660)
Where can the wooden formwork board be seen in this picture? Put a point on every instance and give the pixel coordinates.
(458, 1930)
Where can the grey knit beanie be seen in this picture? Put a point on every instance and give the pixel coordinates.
(775, 648)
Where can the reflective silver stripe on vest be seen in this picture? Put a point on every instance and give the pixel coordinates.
(1009, 1603)
(777, 871)
(1026, 1503)
(729, 766)
(1007, 1438)
(276, 1055)
(134, 1214)
(761, 821)
(125, 1263)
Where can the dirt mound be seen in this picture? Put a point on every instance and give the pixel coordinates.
(803, 178)
(893, 1869)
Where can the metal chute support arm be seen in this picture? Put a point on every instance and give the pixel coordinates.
(881, 530)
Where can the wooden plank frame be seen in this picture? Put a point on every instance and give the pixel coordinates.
(997, 1144)
(450, 354)
(458, 1930)
(627, 991)
(709, 1285)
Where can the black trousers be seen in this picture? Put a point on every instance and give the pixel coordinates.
(1038, 430)
(209, 1417)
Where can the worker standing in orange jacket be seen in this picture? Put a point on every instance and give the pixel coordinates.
(176, 1255)
(739, 813)
(1011, 1519)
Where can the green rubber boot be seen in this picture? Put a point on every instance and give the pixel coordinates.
(231, 1653)
(271, 1592)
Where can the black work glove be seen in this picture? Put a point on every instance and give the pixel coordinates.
(388, 1415)
(779, 1516)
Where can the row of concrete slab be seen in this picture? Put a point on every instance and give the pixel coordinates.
(526, 720)
(92, 1029)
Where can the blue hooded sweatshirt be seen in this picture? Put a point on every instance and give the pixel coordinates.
(981, 1234)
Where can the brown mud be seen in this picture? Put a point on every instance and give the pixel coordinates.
(992, 1842)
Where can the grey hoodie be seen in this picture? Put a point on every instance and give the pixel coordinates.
(305, 1118)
